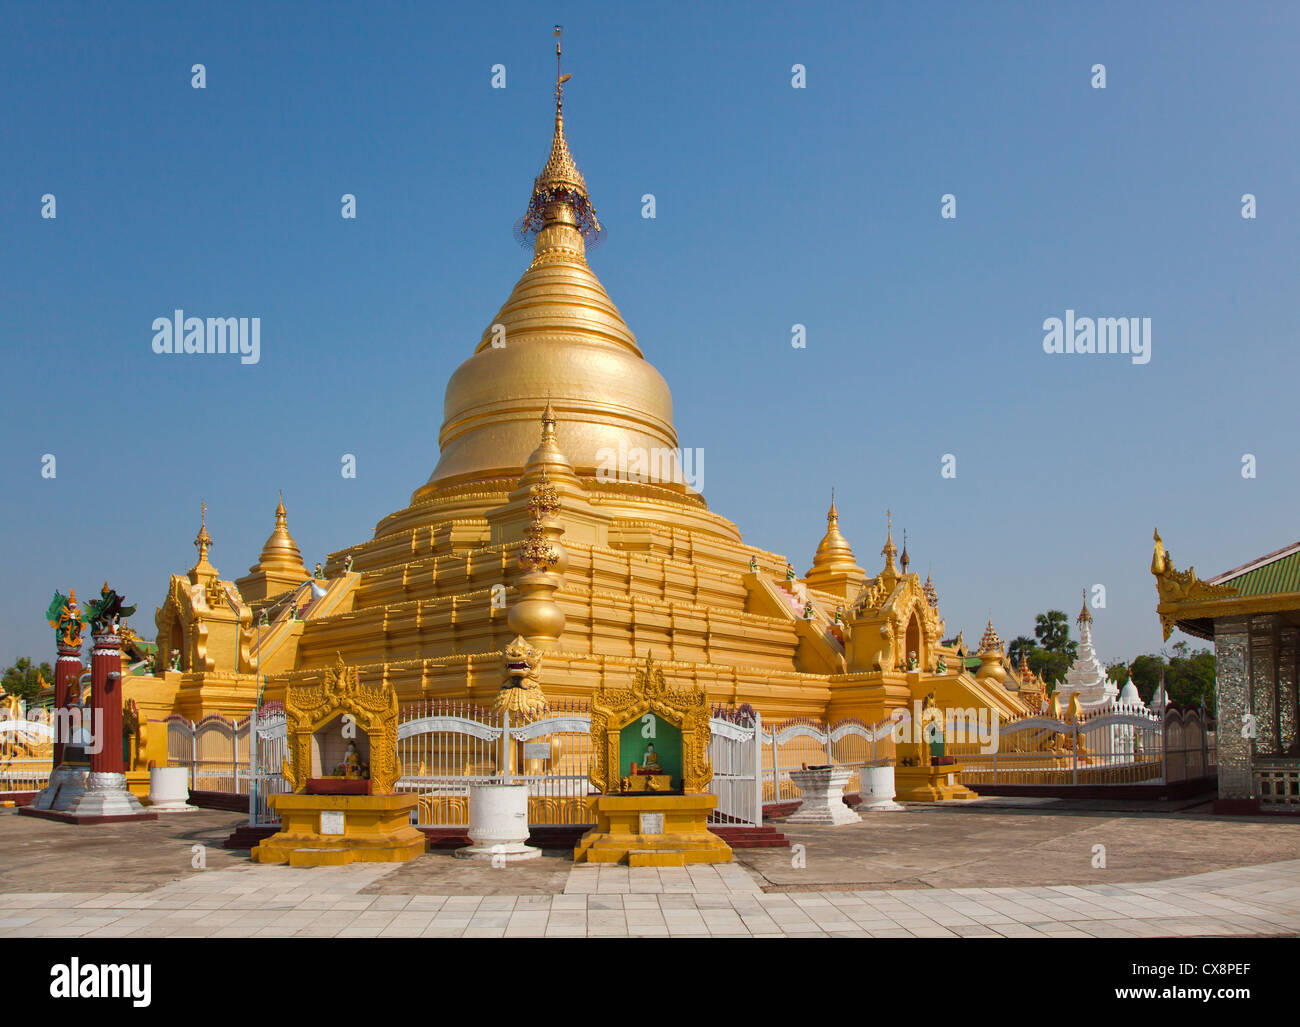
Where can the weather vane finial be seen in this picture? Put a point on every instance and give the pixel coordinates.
(559, 78)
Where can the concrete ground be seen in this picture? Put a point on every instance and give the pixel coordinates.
(993, 868)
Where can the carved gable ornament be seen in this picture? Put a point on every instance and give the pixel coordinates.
(648, 713)
(310, 707)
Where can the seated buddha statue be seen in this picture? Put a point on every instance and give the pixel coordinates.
(351, 765)
(650, 762)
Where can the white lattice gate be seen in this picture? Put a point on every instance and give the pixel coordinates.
(736, 752)
(268, 749)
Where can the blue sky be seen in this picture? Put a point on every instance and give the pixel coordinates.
(775, 206)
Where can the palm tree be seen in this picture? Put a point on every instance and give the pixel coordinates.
(1019, 646)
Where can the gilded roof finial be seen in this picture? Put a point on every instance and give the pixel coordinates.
(904, 559)
(203, 541)
(1085, 617)
(548, 422)
(559, 192)
(990, 643)
(202, 569)
(890, 549)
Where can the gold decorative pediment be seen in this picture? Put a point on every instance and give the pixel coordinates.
(879, 620)
(614, 709)
(309, 707)
(1179, 588)
(182, 623)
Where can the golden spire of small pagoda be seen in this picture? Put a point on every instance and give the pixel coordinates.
(889, 549)
(279, 568)
(990, 643)
(1085, 617)
(202, 542)
(548, 460)
(834, 568)
(904, 559)
(281, 552)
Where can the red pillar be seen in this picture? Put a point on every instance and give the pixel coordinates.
(106, 702)
(67, 669)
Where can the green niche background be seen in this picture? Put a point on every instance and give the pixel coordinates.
(667, 742)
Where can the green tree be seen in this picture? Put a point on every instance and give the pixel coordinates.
(1052, 629)
(1118, 672)
(1019, 646)
(1188, 674)
(1050, 666)
(25, 680)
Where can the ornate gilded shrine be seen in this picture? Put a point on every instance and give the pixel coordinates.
(650, 760)
(342, 765)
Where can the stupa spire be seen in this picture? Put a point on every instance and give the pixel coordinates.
(1085, 617)
(889, 550)
(834, 568)
(548, 459)
(281, 552)
(202, 542)
(560, 192)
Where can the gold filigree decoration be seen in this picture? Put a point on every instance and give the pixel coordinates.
(309, 707)
(1175, 587)
(538, 553)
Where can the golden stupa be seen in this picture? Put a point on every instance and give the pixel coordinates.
(557, 390)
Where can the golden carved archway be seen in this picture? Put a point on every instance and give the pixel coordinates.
(310, 707)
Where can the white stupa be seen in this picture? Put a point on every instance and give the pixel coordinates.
(1087, 677)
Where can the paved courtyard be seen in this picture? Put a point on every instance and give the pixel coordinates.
(989, 870)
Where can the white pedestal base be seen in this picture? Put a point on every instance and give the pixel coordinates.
(169, 790)
(498, 824)
(876, 790)
(823, 797)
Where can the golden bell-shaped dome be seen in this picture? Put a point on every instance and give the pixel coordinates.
(834, 568)
(280, 566)
(281, 552)
(558, 337)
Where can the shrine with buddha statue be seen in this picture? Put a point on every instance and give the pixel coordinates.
(650, 761)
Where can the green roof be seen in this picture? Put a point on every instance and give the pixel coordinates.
(1277, 572)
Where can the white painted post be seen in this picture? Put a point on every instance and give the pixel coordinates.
(758, 769)
(194, 756)
(504, 762)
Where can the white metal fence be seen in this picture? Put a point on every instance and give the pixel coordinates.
(1115, 746)
(799, 743)
(445, 747)
(233, 757)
